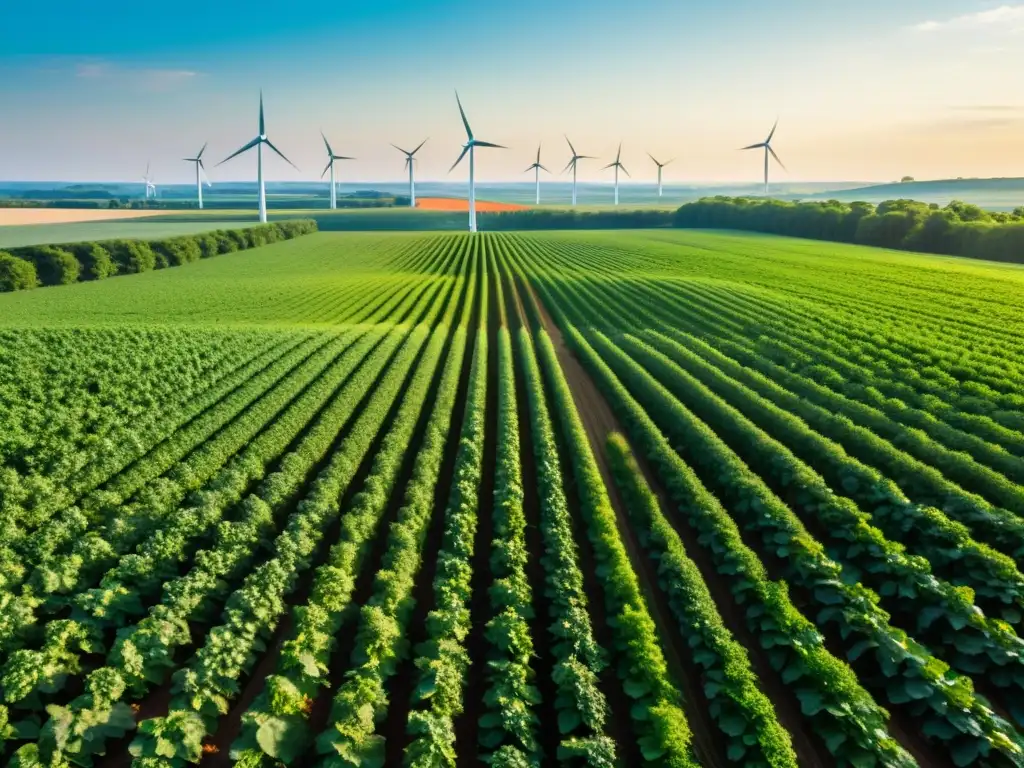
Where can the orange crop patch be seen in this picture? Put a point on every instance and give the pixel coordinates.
(458, 204)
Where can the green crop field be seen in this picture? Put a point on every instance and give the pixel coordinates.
(666, 498)
(150, 228)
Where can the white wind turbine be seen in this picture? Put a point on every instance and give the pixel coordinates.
(660, 167)
(148, 181)
(537, 168)
(258, 142)
(471, 144)
(572, 164)
(410, 160)
(767, 146)
(617, 165)
(331, 157)
(200, 173)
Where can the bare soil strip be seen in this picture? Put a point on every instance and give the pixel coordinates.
(12, 217)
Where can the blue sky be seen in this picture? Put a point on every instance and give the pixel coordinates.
(870, 90)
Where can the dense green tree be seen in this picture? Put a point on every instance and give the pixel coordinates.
(16, 274)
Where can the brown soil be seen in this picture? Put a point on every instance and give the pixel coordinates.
(22, 216)
(458, 204)
(599, 421)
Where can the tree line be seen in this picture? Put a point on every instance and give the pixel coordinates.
(957, 229)
(31, 266)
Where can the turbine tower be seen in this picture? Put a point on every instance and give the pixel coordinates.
(537, 168)
(617, 165)
(331, 157)
(471, 144)
(572, 164)
(200, 172)
(767, 146)
(258, 142)
(660, 166)
(410, 159)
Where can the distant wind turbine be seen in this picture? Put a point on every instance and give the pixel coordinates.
(331, 157)
(537, 168)
(572, 164)
(660, 166)
(148, 181)
(200, 172)
(258, 142)
(410, 161)
(471, 144)
(767, 146)
(617, 165)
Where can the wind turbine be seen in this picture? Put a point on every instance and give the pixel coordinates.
(331, 157)
(660, 166)
(537, 168)
(572, 164)
(471, 144)
(148, 181)
(258, 142)
(617, 165)
(200, 172)
(767, 146)
(410, 159)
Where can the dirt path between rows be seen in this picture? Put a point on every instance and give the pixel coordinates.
(599, 421)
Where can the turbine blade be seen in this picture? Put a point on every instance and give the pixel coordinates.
(281, 155)
(401, 150)
(488, 144)
(465, 149)
(263, 128)
(326, 169)
(773, 131)
(624, 170)
(610, 165)
(330, 152)
(246, 148)
(420, 146)
(530, 169)
(543, 168)
(754, 146)
(653, 158)
(618, 155)
(569, 165)
(777, 159)
(538, 154)
(201, 151)
(571, 146)
(465, 122)
(585, 157)
(341, 157)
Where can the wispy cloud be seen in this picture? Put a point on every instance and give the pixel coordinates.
(1005, 18)
(145, 78)
(987, 108)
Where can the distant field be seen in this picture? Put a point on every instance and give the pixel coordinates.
(30, 216)
(148, 228)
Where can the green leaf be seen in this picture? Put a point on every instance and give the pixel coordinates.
(734, 724)
(918, 689)
(568, 721)
(636, 689)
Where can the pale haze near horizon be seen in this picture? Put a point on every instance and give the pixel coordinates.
(868, 92)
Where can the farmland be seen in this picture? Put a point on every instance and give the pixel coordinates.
(661, 497)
